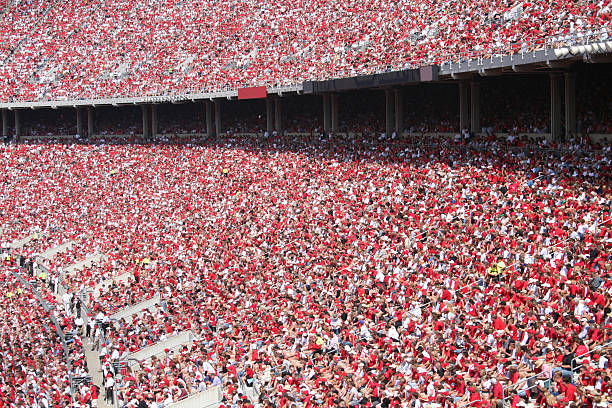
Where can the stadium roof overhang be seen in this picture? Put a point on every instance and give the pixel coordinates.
(527, 62)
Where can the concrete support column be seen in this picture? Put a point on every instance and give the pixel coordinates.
(570, 104)
(326, 113)
(154, 122)
(475, 107)
(389, 101)
(145, 120)
(278, 117)
(399, 111)
(90, 121)
(79, 125)
(208, 106)
(269, 115)
(555, 106)
(218, 118)
(463, 105)
(17, 124)
(335, 112)
(4, 123)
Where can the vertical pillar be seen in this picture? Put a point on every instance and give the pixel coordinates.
(154, 123)
(555, 106)
(90, 121)
(570, 104)
(269, 116)
(209, 118)
(399, 112)
(334, 113)
(389, 101)
(278, 122)
(326, 113)
(475, 107)
(218, 118)
(4, 123)
(145, 120)
(463, 105)
(17, 124)
(79, 124)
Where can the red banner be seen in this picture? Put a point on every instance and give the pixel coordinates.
(256, 92)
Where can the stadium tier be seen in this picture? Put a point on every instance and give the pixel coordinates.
(258, 204)
(81, 49)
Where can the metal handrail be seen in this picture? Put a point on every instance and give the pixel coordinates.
(601, 346)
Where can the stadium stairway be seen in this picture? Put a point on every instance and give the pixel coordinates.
(92, 356)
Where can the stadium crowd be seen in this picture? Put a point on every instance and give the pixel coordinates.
(77, 49)
(36, 363)
(324, 271)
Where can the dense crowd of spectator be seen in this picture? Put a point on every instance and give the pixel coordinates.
(320, 271)
(92, 49)
(36, 362)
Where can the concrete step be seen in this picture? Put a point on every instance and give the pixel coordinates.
(49, 253)
(210, 398)
(20, 243)
(123, 278)
(139, 307)
(171, 343)
(87, 262)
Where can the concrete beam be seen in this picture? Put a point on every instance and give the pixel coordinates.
(146, 131)
(570, 104)
(4, 123)
(555, 106)
(218, 128)
(208, 106)
(389, 107)
(154, 123)
(79, 121)
(90, 121)
(17, 124)
(326, 113)
(269, 115)
(335, 112)
(475, 106)
(463, 105)
(399, 111)
(278, 115)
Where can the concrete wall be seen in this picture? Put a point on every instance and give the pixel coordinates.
(137, 308)
(170, 343)
(209, 398)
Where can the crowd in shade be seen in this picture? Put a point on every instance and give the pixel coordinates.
(56, 50)
(320, 271)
